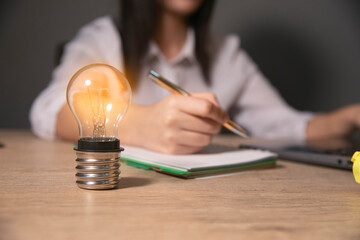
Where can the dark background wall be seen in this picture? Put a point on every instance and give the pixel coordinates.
(309, 49)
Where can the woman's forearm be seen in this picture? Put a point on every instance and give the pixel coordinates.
(66, 126)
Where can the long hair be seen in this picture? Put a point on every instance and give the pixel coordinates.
(138, 23)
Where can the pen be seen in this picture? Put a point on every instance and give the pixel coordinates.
(233, 127)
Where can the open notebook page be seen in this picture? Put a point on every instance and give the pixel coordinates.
(212, 156)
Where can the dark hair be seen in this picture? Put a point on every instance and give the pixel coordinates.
(137, 25)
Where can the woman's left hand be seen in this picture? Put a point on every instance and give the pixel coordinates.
(339, 123)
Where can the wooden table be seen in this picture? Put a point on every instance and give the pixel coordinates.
(40, 200)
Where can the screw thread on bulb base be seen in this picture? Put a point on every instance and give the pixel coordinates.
(97, 170)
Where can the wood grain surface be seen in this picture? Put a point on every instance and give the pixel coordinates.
(40, 200)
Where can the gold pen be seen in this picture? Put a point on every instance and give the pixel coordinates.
(177, 90)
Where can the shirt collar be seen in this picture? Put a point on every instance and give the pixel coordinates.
(187, 52)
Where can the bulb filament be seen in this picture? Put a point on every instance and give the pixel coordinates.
(99, 115)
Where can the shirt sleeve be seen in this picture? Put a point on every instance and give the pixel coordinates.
(258, 106)
(96, 42)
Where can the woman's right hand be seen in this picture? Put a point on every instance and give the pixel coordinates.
(176, 125)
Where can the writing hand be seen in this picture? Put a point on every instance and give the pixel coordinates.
(177, 124)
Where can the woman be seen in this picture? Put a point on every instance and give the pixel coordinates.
(172, 37)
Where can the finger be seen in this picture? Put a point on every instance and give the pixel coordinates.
(193, 123)
(195, 139)
(186, 138)
(201, 125)
(208, 96)
(199, 107)
(178, 149)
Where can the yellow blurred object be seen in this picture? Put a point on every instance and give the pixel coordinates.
(356, 166)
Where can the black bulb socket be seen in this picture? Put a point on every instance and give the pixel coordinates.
(99, 145)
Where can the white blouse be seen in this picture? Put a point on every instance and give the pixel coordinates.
(240, 87)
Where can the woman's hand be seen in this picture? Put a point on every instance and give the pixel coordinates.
(340, 123)
(176, 125)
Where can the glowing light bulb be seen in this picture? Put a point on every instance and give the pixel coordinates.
(99, 96)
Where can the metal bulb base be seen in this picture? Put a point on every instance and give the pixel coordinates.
(97, 170)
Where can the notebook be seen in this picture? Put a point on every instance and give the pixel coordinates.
(213, 159)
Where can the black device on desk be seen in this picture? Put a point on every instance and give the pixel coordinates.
(335, 153)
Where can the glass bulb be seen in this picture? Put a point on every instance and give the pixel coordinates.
(98, 96)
